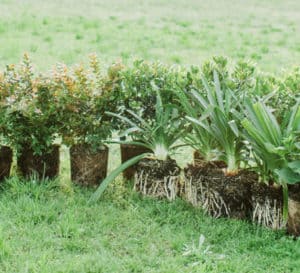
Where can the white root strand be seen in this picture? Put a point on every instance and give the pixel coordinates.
(268, 214)
(168, 187)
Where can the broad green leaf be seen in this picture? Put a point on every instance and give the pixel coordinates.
(287, 175)
(295, 166)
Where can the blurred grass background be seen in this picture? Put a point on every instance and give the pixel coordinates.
(178, 31)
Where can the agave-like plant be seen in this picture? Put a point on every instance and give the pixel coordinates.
(219, 122)
(160, 136)
(276, 145)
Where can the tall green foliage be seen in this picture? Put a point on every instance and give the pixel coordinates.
(276, 146)
(220, 121)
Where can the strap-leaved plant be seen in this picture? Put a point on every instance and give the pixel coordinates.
(160, 135)
(277, 145)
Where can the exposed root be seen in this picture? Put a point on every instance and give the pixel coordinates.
(191, 192)
(268, 214)
(205, 197)
(167, 187)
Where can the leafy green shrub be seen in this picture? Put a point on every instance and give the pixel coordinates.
(139, 85)
(281, 91)
(239, 77)
(29, 115)
(83, 95)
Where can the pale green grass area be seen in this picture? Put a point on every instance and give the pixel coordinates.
(51, 227)
(185, 32)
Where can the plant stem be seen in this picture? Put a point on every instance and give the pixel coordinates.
(232, 168)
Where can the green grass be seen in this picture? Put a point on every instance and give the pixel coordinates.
(51, 228)
(265, 31)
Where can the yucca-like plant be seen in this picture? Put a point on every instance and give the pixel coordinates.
(276, 145)
(219, 122)
(160, 135)
(196, 136)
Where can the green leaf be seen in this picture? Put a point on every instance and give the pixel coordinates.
(295, 166)
(234, 127)
(287, 175)
(285, 201)
(97, 194)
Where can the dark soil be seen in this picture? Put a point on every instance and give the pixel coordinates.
(158, 169)
(293, 224)
(41, 166)
(158, 178)
(294, 192)
(88, 167)
(221, 195)
(127, 152)
(261, 190)
(6, 156)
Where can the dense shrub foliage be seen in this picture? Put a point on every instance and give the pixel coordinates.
(29, 115)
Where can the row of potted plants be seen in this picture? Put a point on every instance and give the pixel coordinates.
(244, 127)
(68, 106)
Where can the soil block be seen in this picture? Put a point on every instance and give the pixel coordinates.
(267, 205)
(293, 224)
(219, 195)
(39, 166)
(6, 157)
(158, 178)
(88, 167)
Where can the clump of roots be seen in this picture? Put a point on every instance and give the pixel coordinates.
(267, 206)
(268, 214)
(158, 178)
(205, 197)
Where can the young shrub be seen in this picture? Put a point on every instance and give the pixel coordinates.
(139, 84)
(31, 120)
(84, 94)
(276, 147)
(239, 77)
(6, 153)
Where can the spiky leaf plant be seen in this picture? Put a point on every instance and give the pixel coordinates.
(196, 136)
(220, 122)
(160, 135)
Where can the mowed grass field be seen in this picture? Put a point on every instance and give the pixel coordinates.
(178, 31)
(51, 227)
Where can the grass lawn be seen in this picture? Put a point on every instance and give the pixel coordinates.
(51, 227)
(178, 31)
